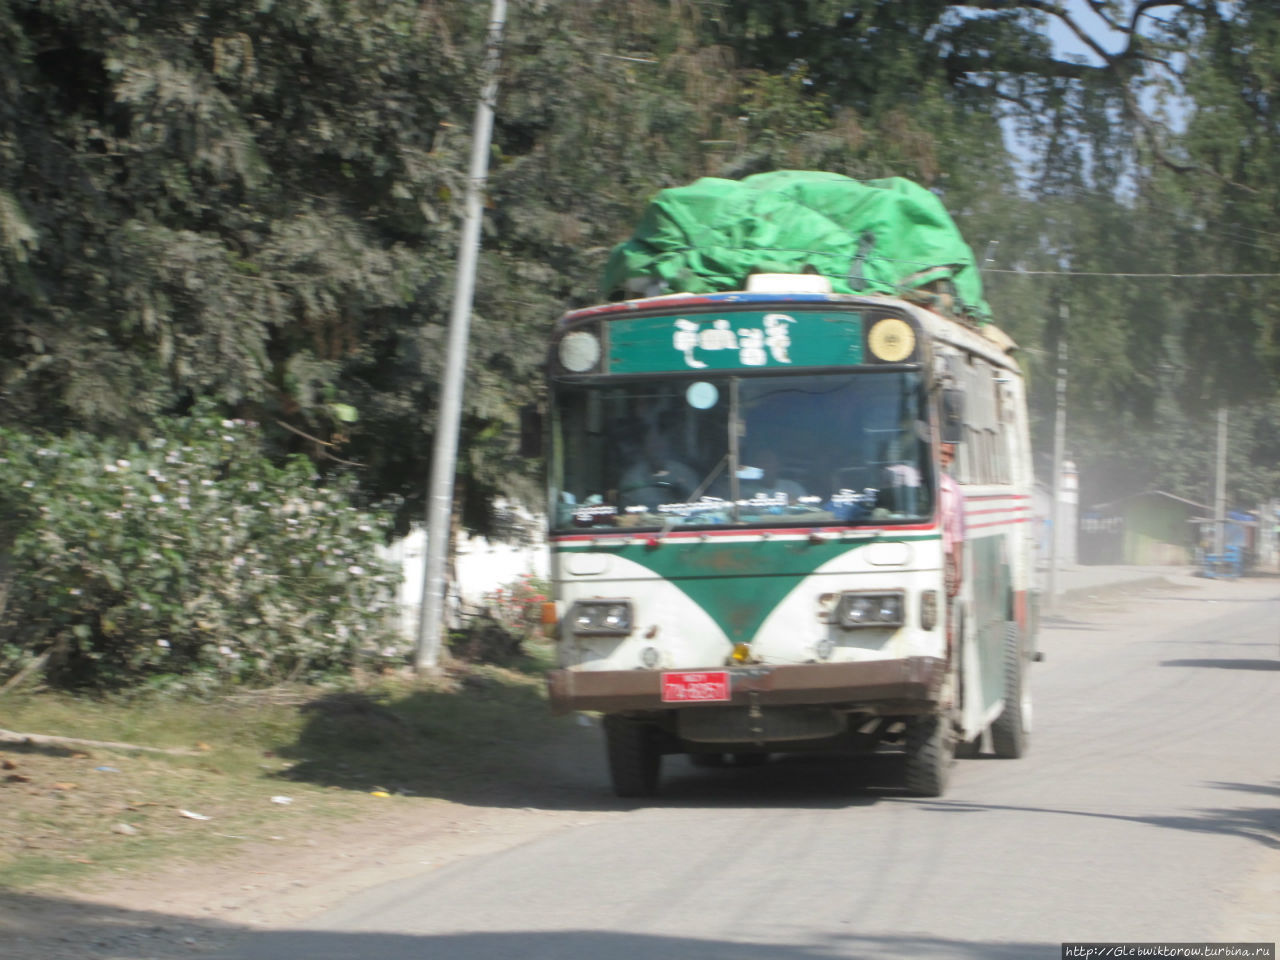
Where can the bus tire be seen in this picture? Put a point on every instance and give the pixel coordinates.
(1011, 731)
(634, 758)
(930, 753)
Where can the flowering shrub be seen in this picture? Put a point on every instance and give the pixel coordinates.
(517, 606)
(188, 560)
(508, 617)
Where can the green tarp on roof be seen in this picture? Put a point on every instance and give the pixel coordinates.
(866, 236)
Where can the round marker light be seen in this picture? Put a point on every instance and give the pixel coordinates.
(891, 340)
(579, 351)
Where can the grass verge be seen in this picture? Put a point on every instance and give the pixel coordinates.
(267, 765)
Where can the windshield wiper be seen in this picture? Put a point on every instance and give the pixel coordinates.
(711, 478)
(695, 496)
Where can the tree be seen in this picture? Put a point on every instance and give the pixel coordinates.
(259, 202)
(250, 202)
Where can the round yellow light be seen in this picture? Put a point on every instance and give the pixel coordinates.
(891, 340)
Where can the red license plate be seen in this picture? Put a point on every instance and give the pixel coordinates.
(695, 687)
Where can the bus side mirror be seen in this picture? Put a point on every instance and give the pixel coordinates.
(951, 430)
(530, 431)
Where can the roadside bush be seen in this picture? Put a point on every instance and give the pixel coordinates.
(509, 617)
(517, 605)
(186, 561)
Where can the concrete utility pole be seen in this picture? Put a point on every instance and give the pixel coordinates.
(1059, 444)
(445, 457)
(1220, 488)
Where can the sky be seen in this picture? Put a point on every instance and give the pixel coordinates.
(1066, 42)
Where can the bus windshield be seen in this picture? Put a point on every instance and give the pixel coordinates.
(840, 448)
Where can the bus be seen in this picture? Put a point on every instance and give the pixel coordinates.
(747, 543)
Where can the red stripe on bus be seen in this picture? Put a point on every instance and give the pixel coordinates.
(884, 532)
(997, 523)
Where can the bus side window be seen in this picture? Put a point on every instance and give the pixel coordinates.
(985, 455)
(968, 459)
(975, 413)
(1009, 423)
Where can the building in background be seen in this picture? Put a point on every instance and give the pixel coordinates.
(1068, 510)
(1154, 528)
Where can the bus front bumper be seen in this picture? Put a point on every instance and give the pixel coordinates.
(908, 685)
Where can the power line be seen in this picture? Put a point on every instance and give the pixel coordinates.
(1139, 276)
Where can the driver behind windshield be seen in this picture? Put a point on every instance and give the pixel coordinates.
(654, 476)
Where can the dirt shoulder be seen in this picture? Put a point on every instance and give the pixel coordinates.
(193, 907)
(272, 885)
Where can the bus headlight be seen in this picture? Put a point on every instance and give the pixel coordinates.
(601, 618)
(870, 609)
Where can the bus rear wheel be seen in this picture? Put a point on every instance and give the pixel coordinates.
(1011, 731)
(635, 759)
(930, 751)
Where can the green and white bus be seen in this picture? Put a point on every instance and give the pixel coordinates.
(747, 550)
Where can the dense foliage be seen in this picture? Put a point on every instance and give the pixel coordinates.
(257, 203)
(185, 560)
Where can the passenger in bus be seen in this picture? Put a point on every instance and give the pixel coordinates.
(951, 518)
(656, 476)
(899, 492)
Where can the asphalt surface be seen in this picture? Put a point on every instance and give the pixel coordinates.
(1148, 809)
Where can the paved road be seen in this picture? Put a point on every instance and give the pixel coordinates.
(1148, 809)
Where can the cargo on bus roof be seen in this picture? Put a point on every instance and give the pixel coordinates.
(888, 236)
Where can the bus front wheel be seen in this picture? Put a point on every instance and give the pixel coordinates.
(635, 759)
(930, 752)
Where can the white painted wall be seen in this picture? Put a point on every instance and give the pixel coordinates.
(482, 566)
